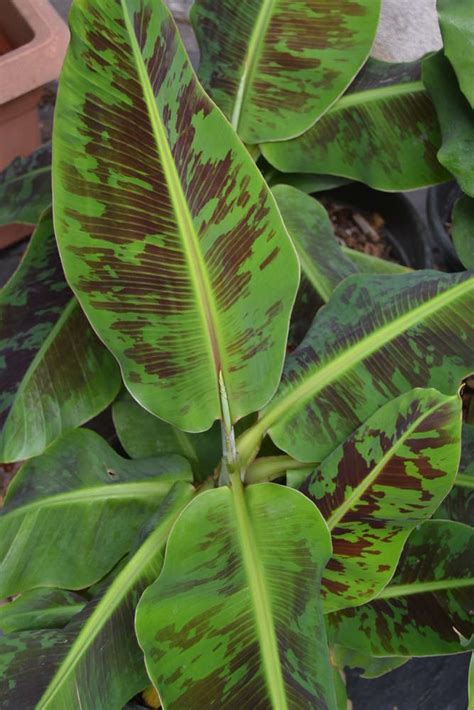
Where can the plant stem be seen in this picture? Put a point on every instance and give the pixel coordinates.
(270, 467)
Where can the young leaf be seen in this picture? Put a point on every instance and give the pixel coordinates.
(456, 118)
(95, 662)
(321, 258)
(456, 20)
(378, 336)
(70, 504)
(275, 67)
(40, 609)
(55, 373)
(169, 236)
(459, 504)
(426, 607)
(386, 478)
(383, 132)
(25, 188)
(235, 619)
(142, 435)
(463, 230)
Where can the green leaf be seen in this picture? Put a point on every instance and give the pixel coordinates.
(55, 374)
(382, 132)
(372, 667)
(143, 435)
(95, 663)
(456, 118)
(235, 620)
(275, 67)
(25, 188)
(321, 258)
(40, 609)
(456, 20)
(459, 504)
(463, 230)
(178, 255)
(368, 264)
(70, 505)
(426, 606)
(386, 478)
(378, 336)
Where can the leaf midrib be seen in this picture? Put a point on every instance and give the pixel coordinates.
(261, 604)
(250, 60)
(345, 361)
(119, 588)
(404, 590)
(380, 93)
(106, 492)
(196, 267)
(370, 479)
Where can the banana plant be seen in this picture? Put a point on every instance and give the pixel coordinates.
(268, 515)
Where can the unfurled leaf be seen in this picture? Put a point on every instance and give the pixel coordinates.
(371, 666)
(386, 478)
(459, 504)
(427, 607)
(235, 619)
(142, 435)
(377, 337)
(321, 258)
(81, 505)
(383, 132)
(168, 234)
(463, 230)
(55, 374)
(25, 188)
(275, 67)
(95, 663)
(456, 118)
(40, 609)
(456, 19)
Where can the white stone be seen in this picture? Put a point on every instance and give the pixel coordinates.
(407, 30)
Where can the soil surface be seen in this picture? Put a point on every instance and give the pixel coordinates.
(360, 230)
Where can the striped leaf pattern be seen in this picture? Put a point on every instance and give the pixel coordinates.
(377, 337)
(275, 66)
(171, 240)
(427, 608)
(72, 502)
(55, 373)
(235, 618)
(322, 260)
(383, 132)
(387, 477)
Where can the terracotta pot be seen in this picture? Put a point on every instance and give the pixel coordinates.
(33, 42)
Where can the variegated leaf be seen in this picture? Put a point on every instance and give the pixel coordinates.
(42, 608)
(427, 608)
(386, 478)
(235, 618)
(275, 67)
(55, 374)
(81, 504)
(95, 663)
(459, 504)
(168, 234)
(25, 188)
(377, 337)
(383, 132)
(456, 119)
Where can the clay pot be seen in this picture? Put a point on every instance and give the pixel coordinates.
(33, 42)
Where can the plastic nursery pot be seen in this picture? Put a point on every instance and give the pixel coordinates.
(440, 202)
(403, 227)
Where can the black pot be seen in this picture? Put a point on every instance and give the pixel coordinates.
(439, 204)
(404, 229)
